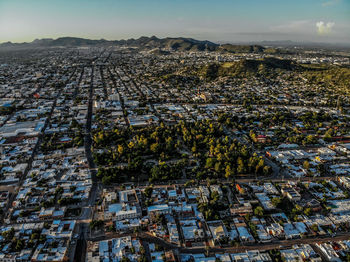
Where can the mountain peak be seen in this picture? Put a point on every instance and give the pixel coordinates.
(144, 42)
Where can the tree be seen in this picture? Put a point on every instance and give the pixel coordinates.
(125, 259)
(194, 149)
(228, 171)
(120, 150)
(310, 139)
(74, 123)
(259, 166)
(321, 169)
(217, 167)
(106, 180)
(34, 236)
(209, 162)
(42, 238)
(96, 224)
(276, 201)
(306, 165)
(131, 145)
(314, 227)
(19, 245)
(160, 219)
(258, 211)
(253, 136)
(215, 196)
(155, 148)
(240, 166)
(59, 190)
(111, 228)
(329, 133)
(244, 151)
(148, 191)
(267, 170)
(308, 211)
(9, 234)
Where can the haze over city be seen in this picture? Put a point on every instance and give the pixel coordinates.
(223, 20)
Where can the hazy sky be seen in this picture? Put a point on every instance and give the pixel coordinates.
(216, 20)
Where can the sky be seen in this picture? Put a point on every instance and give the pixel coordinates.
(214, 20)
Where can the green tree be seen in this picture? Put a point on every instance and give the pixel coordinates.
(209, 162)
(125, 259)
(148, 191)
(314, 228)
(155, 148)
(276, 201)
(306, 165)
(228, 171)
(19, 245)
(329, 134)
(240, 166)
(120, 149)
(258, 211)
(267, 170)
(308, 211)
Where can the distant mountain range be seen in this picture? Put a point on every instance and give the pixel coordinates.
(62, 41)
(295, 44)
(176, 44)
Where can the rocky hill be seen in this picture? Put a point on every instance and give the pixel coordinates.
(175, 44)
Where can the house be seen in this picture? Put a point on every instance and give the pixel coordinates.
(307, 253)
(45, 253)
(276, 230)
(192, 231)
(123, 211)
(244, 235)
(217, 229)
(7, 258)
(344, 181)
(328, 252)
(290, 255)
(291, 194)
(162, 209)
(256, 255)
(241, 209)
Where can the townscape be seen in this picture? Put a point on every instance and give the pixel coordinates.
(130, 152)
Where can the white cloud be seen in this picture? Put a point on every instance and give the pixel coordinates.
(324, 28)
(298, 26)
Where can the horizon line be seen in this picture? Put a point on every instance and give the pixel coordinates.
(213, 41)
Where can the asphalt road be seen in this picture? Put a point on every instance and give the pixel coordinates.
(280, 244)
(86, 213)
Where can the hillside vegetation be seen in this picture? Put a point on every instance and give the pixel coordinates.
(246, 68)
(241, 48)
(324, 75)
(329, 76)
